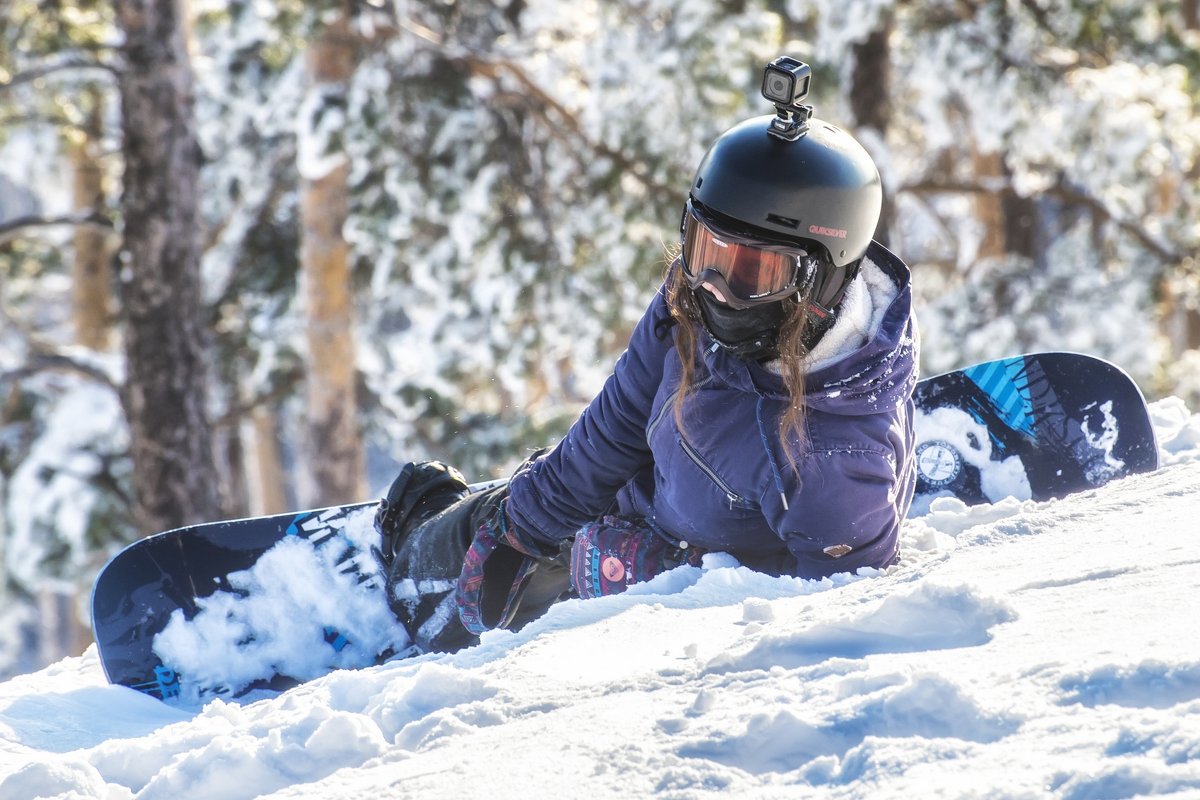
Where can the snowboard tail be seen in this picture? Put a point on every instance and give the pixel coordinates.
(136, 593)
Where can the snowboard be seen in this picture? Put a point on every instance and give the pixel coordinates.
(137, 592)
(1033, 427)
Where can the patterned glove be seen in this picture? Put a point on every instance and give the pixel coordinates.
(614, 553)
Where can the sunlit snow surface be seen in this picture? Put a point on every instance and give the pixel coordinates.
(1020, 650)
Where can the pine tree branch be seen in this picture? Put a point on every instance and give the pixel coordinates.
(58, 362)
(1064, 193)
(87, 218)
(561, 120)
(45, 70)
(284, 388)
(556, 116)
(25, 118)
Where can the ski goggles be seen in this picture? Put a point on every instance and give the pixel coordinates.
(746, 270)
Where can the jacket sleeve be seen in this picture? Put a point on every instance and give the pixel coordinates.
(578, 480)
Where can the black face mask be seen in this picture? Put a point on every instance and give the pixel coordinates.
(751, 333)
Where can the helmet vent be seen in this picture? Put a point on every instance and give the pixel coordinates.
(787, 222)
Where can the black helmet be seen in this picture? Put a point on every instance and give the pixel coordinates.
(811, 182)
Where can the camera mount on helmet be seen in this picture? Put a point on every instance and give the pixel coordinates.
(785, 83)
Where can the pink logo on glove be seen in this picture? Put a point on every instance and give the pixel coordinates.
(612, 569)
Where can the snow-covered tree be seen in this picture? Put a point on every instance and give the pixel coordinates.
(1045, 164)
(518, 170)
(63, 475)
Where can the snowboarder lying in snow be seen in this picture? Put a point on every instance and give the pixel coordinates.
(763, 407)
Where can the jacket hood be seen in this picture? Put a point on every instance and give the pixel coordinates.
(877, 376)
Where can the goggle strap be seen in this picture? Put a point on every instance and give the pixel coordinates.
(819, 311)
(828, 295)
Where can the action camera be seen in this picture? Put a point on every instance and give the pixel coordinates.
(785, 81)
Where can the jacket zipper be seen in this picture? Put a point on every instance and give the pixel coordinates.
(730, 494)
(666, 406)
(662, 412)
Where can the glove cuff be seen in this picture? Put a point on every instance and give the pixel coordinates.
(516, 538)
(494, 575)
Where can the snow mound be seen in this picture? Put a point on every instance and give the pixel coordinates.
(1022, 650)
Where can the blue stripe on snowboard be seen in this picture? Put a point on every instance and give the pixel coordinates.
(165, 683)
(998, 379)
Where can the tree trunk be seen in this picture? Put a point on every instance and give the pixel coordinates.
(870, 100)
(175, 477)
(989, 206)
(334, 451)
(59, 629)
(91, 276)
(265, 463)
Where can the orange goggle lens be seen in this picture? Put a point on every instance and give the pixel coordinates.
(751, 271)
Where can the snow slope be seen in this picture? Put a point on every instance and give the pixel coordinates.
(1020, 650)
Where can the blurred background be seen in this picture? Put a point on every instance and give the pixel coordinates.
(256, 253)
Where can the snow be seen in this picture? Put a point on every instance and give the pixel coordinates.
(1019, 650)
(319, 119)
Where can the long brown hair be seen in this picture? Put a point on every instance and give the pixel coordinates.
(791, 346)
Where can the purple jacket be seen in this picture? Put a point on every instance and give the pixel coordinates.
(723, 482)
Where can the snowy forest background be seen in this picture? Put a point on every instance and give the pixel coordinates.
(254, 254)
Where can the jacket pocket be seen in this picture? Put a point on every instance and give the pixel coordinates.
(734, 499)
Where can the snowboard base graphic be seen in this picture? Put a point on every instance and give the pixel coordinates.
(138, 591)
(1032, 427)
